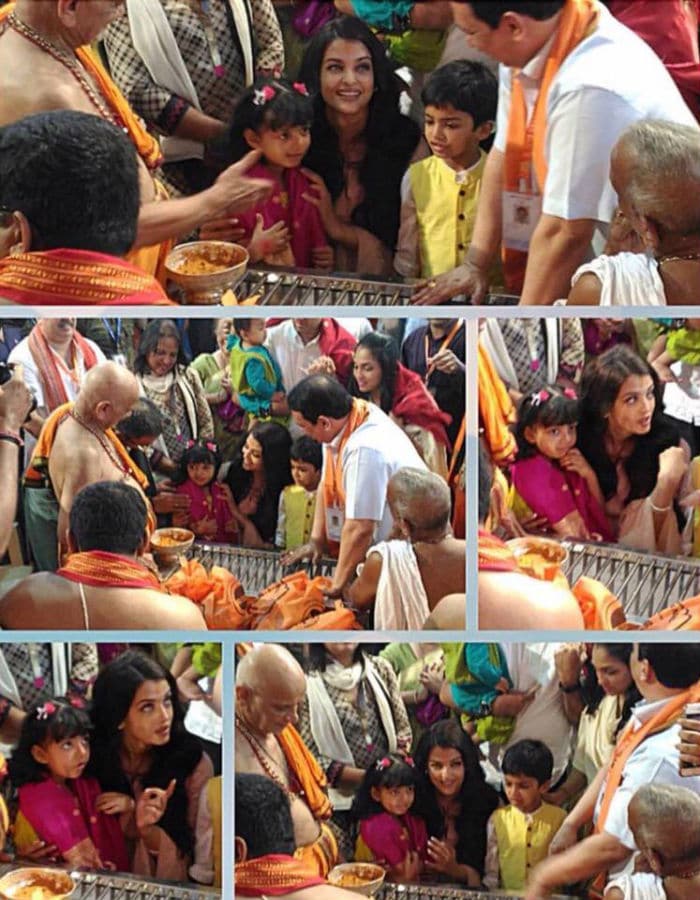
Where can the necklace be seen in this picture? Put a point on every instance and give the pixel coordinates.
(103, 442)
(73, 66)
(291, 785)
(681, 256)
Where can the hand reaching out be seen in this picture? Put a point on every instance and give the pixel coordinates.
(152, 804)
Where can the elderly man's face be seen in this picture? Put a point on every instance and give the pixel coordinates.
(272, 705)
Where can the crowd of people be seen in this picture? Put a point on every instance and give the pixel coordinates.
(369, 138)
(105, 767)
(528, 768)
(311, 437)
(588, 432)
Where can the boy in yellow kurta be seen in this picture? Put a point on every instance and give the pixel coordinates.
(519, 835)
(298, 501)
(440, 194)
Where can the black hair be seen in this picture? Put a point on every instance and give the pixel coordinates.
(112, 696)
(602, 379)
(491, 11)
(675, 665)
(199, 452)
(318, 657)
(275, 442)
(55, 720)
(144, 420)
(286, 107)
(530, 758)
(387, 771)
(75, 178)
(263, 817)
(306, 449)
(385, 351)
(152, 333)
(547, 407)
(319, 395)
(477, 800)
(109, 516)
(391, 138)
(470, 87)
(592, 693)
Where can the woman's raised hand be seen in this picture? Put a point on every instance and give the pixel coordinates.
(673, 464)
(442, 857)
(152, 804)
(568, 660)
(113, 803)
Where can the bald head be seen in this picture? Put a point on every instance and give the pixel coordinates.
(107, 394)
(421, 499)
(270, 685)
(666, 819)
(655, 167)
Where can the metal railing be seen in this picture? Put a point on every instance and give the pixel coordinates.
(644, 583)
(100, 886)
(445, 892)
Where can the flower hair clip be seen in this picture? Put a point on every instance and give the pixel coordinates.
(300, 88)
(48, 709)
(540, 397)
(570, 393)
(382, 764)
(190, 444)
(211, 446)
(409, 761)
(262, 96)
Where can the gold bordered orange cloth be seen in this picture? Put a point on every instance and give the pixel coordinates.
(98, 568)
(496, 410)
(47, 365)
(525, 143)
(322, 855)
(494, 554)
(274, 875)
(307, 771)
(77, 277)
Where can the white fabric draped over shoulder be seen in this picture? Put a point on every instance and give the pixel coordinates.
(627, 279)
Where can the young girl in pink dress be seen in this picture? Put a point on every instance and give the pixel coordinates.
(388, 833)
(58, 803)
(551, 478)
(275, 117)
(213, 515)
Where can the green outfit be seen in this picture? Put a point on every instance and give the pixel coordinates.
(226, 437)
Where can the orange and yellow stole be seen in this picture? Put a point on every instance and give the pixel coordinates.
(99, 568)
(77, 277)
(273, 875)
(525, 143)
(496, 410)
(307, 771)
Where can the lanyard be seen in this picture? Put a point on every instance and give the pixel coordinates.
(214, 52)
(114, 335)
(446, 343)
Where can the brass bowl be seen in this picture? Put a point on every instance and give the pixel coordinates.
(23, 884)
(371, 875)
(169, 543)
(227, 262)
(548, 556)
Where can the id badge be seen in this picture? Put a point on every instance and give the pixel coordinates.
(120, 359)
(335, 519)
(521, 213)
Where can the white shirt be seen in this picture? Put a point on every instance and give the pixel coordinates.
(544, 719)
(372, 454)
(626, 279)
(656, 760)
(640, 886)
(609, 81)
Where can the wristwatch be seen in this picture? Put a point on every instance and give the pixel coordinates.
(569, 689)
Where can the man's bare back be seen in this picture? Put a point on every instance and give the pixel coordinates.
(442, 568)
(48, 601)
(318, 892)
(306, 828)
(33, 81)
(514, 600)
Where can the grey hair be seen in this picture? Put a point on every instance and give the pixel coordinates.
(422, 498)
(664, 173)
(668, 820)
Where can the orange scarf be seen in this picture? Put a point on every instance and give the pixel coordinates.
(494, 554)
(98, 568)
(307, 771)
(525, 144)
(48, 369)
(273, 875)
(77, 277)
(333, 492)
(496, 410)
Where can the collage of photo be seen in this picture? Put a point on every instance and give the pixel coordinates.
(269, 368)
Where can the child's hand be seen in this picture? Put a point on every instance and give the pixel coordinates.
(320, 197)
(324, 365)
(323, 258)
(113, 803)
(224, 229)
(266, 242)
(188, 687)
(663, 371)
(502, 686)
(575, 461)
(152, 804)
(512, 704)
(38, 851)
(205, 528)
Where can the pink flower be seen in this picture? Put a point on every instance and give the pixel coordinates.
(48, 709)
(570, 393)
(300, 88)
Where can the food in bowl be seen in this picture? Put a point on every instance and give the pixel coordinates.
(171, 537)
(36, 884)
(361, 878)
(540, 557)
(208, 259)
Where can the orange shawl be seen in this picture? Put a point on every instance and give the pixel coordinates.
(333, 492)
(525, 143)
(307, 771)
(629, 741)
(77, 278)
(99, 568)
(496, 410)
(494, 554)
(47, 368)
(273, 875)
